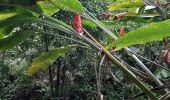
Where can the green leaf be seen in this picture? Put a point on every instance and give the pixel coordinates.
(47, 7)
(152, 32)
(4, 15)
(12, 11)
(71, 5)
(24, 4)
(89, 24)
(162, 73)
(47, 58)
(14, 39)
(17, 19)
(125, 4)
(7, 25)
(1, 35)
(19, 2)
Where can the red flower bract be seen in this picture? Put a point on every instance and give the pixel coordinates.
(78, 23)
(165, 56)
(113, 40)
(122, 31)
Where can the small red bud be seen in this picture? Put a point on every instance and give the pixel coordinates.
(165, 56)
(113, 40)
(122, 31)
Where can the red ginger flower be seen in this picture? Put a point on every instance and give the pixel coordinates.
(78, 23)
(122, 31)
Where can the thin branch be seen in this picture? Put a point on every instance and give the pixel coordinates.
(166, 96)
(154, 61)
(136, 71)
(149, 60)
(71, 39)
(97, 82)
(154, 90)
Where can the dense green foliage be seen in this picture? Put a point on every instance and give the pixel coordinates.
(38, 61)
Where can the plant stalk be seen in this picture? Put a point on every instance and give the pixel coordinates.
(96, 21)
(124, 69)
(49, 69)
(144, 67)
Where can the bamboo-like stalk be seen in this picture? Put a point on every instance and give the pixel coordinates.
(150, 61)
(125, 70)
(96, 21)
(166, 96)
(156, 89)
(145, 68)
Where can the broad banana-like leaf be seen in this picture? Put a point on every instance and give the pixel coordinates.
(29, 4)
(14, 39)
(12, 11)
(47, 6)
(71, 5)
(152, 32)
(19, 2)
(7, 25)
(125, 4)
(47, 58)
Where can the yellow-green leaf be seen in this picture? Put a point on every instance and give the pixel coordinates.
(125, 4)
(47, 58)
(89, 24)
(4, 16)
